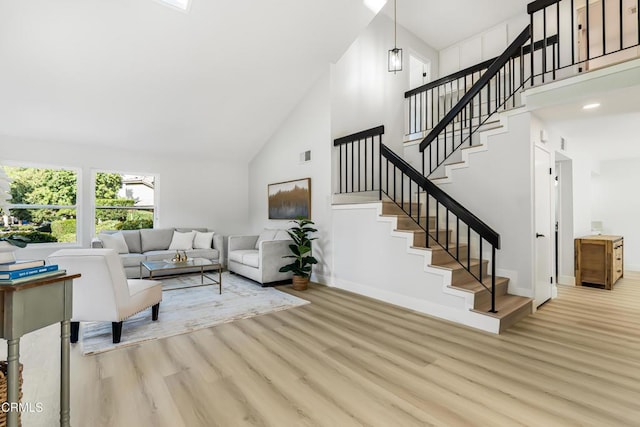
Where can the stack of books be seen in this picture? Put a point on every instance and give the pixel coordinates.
(25, 271)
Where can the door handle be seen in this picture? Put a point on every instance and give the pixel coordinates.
(539, 235)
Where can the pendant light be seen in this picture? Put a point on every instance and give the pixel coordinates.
(395, 54)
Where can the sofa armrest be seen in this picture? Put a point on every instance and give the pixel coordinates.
(96, 243)
(218, 243)
(272, 253)
(242, 242)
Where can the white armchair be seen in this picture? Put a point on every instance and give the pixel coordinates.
(103, 292)
(260, 257)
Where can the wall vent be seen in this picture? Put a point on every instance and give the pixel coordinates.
(305, 156)
(563, 144)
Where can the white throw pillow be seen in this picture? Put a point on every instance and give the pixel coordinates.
(203, 240)
(114, 241)
(182, 241)
(267, 234)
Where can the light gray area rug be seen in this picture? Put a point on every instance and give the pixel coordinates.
(185, 310)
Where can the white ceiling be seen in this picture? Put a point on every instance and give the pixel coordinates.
(608, 132)
(219, 79)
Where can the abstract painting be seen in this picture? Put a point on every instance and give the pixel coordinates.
(290, 199)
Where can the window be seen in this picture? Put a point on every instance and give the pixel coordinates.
(42, 205)
(124, 201)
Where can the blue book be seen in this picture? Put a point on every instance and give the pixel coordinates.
(27, 272)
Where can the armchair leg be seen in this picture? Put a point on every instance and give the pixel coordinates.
(75, 329)
(154, 312)
(116, 330)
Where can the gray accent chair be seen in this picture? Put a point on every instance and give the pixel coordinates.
(259, 257)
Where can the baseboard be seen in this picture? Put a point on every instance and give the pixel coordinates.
(321, 279)
(566, 280)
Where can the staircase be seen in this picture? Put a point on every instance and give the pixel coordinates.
(447, 121)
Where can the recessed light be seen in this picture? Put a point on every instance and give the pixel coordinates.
(591, 106)
(375, 5)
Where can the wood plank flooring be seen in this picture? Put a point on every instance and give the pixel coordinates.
(346, 360)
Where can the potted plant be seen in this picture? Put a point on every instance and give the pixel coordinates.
(8, 245)
(301, 250)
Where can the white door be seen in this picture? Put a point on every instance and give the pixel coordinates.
(543, 227)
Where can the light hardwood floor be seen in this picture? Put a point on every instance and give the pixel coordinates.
(345, 360)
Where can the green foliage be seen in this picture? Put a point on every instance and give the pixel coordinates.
(107, 225)
(32, 236)
(135, 224)
(301, 248)
(107, 186)
(113, 214)
(64, 230)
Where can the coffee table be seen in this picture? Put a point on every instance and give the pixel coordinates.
(164, 266)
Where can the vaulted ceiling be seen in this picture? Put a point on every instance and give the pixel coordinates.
(216, 80)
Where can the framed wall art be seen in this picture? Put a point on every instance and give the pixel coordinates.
(290, 199)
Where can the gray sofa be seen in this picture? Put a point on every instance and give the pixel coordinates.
(259, 257)
(153, 245)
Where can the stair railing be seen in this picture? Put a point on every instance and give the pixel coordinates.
(585, 35)
(364, 163)
(499, 85)
(427, 104)
(441, 217)
(357, 160)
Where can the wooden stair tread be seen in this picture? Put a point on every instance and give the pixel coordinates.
(505, 305)
(455, 265)
(475, 286)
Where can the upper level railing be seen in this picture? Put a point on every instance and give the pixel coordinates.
(568, 38)
(446, 223)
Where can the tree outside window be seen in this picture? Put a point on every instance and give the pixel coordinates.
(124, 201)
(42, 205)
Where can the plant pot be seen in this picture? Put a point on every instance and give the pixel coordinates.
(300, 283)
(7, 252)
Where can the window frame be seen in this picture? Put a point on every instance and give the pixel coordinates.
(77, 207)
(95, 207)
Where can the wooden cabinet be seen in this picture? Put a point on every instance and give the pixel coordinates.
(599, 260)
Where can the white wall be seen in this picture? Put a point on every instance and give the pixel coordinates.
(364, 94)
(308, 127)
(616, 205)
(481, 47)
(192, 191)
(498, 188)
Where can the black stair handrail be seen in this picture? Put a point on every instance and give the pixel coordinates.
(513, 49)
(376, 131)
(451, 77)
(486, 232)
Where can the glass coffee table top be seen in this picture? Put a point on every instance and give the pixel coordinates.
(169, 265)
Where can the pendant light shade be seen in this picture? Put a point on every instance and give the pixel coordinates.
(395, 54)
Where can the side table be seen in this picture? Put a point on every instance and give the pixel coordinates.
(27, 307)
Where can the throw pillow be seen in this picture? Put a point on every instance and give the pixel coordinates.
(114, 241)
(282, 235)
(203, 240)
(267, 234)
(182, 241)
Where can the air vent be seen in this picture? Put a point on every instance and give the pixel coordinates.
(305, 156)
(563, 144)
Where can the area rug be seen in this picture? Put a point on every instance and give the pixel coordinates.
(186, 309)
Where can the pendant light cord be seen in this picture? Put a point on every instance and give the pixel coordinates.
(395, 25)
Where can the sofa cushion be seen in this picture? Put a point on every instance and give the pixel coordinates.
(165, 255)
(184, 230)
(204, 253)
(132, 237)
(114, 241)
(267, 234)
(243, 256)
(203, 240)
(154, 239)
(132, 260)
(182, 241)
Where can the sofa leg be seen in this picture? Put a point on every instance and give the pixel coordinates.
(75, 330)
(116, 330)
(154, 312)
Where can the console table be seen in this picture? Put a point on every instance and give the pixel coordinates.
(599, 260)
(25, 308)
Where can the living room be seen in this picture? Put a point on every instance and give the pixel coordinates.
(142, 88)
